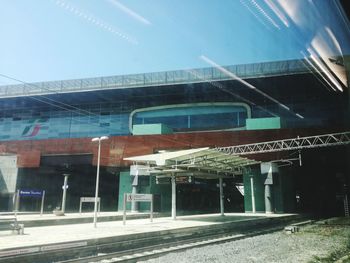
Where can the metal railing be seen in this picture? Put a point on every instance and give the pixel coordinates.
(154, 79)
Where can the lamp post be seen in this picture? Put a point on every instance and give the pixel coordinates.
(64, 195)
(97, 139)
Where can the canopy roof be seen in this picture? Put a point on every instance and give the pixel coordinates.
(201, 162)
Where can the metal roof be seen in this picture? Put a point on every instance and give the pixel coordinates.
(201, 162)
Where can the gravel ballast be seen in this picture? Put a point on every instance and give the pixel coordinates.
(323, 242)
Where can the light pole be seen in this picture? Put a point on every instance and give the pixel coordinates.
(97, 139)
(64, 187)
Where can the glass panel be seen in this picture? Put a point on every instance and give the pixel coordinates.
(189, 118)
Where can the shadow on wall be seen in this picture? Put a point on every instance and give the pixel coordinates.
(81, 183)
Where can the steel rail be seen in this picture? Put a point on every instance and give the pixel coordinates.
(153, 251)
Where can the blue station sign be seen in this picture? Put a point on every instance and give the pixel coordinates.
(30, 192)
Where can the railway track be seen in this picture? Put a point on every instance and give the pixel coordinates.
(142, 246)
(154, 251)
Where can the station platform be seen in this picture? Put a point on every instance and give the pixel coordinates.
(81, 236)
(49, 219)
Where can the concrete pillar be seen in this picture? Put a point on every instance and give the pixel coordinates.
(11, 201)
(173, 197)
(268, 169)
(133, 203)
(253, 190)
(347, 119)
(16, 203)
(221, 197)
(347, 70)
(135, 183)
(252, 194)
(8, 178)
(268, 199)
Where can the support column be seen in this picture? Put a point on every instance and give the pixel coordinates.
(268, 199)
(173, 197)
(133, 203)
(347, 70)
(253, 190)
(16, 204)
(135, 183)
(269, 169)
(347, 124)
(221, 197)
(253, 195)
(11, 202)
(64, 195)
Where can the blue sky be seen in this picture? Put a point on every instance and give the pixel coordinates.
(44, 40)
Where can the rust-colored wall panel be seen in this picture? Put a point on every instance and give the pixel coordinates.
(116, 148)
(29, 159)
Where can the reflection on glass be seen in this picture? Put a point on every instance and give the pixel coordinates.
(195, 117)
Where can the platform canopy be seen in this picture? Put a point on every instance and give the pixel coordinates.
(200, 162)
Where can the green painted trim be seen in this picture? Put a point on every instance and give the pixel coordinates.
(263, 123)
(146, 129)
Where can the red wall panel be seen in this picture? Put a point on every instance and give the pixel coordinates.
(28, 159)
(116, 148)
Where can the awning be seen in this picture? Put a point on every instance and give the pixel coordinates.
(201, 162)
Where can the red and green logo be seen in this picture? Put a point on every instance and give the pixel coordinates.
(33, 129)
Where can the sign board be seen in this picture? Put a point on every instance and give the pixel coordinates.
(128, 197)
(139, 170)
(183, 179)
(139, 197)
(89, 199)
(32, 193)
(163, 180)
(28, 193)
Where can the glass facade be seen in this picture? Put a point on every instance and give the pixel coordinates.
(195, 117)
(63, 125)
(299, 99)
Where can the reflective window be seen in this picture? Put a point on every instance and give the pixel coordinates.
(194, 117)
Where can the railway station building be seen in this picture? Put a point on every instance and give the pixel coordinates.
(185, 118)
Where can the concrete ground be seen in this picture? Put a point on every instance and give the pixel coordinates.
(49, 235)
(30, 216)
